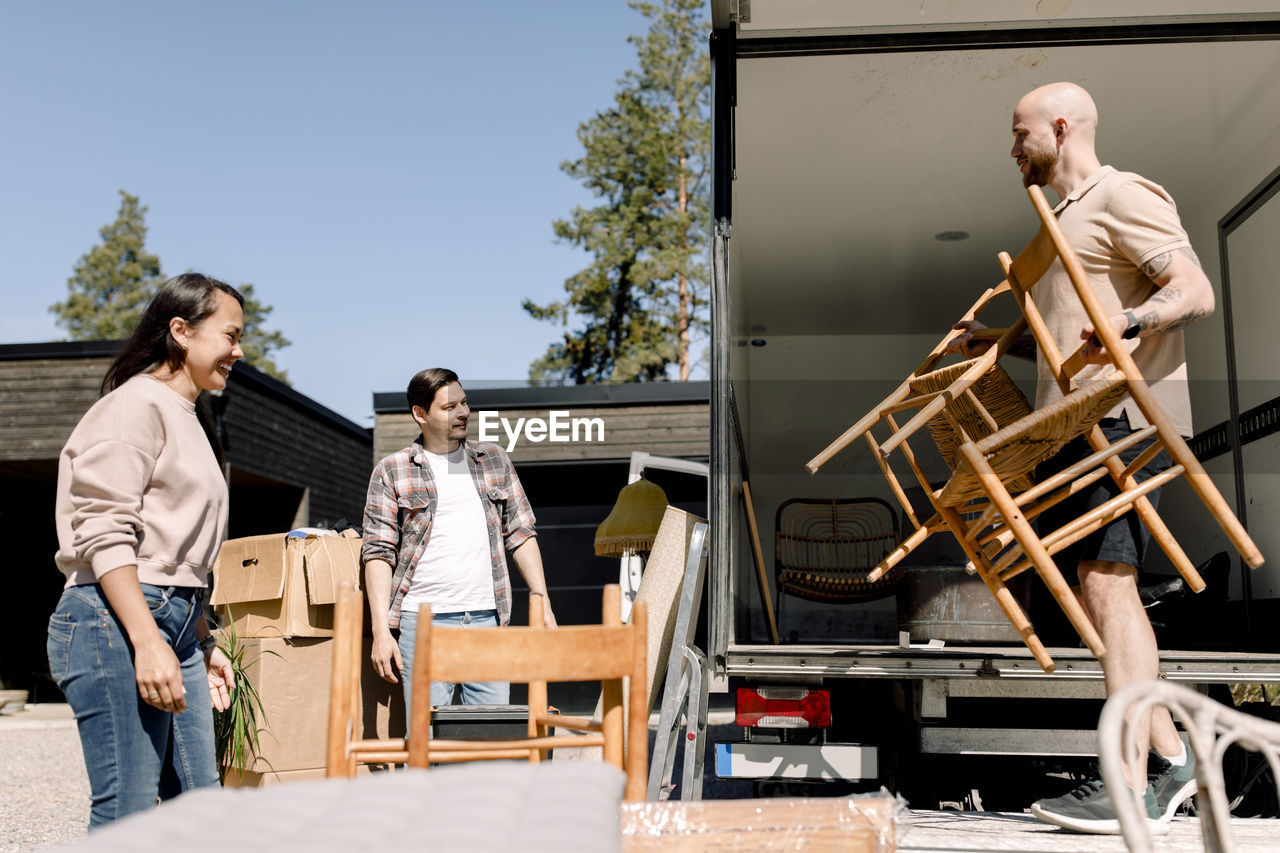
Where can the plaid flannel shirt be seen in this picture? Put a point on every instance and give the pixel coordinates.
(401, 504)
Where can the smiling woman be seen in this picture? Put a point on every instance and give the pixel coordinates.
(142, 461)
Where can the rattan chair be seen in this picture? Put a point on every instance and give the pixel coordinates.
(1211, 729)
(825, 548)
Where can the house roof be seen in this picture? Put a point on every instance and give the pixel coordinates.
(571, 396)
(242, 373)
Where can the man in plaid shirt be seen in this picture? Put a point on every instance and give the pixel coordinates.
(439, 518)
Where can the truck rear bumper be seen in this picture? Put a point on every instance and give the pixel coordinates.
(827, 762)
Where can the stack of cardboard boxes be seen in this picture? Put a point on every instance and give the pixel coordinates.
(277, 592)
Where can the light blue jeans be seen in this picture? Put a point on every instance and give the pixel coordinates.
(473, 692)
(134, 753)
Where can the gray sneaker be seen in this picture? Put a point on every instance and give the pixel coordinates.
(1088, 809)
(1173, 786)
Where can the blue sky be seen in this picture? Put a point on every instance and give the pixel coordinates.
(384, 173)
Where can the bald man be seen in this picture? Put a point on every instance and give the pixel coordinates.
(1126, 232)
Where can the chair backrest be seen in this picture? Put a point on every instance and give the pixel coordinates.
(608, 653)
(824, 548)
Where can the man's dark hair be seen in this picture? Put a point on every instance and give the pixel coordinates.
(425, 383)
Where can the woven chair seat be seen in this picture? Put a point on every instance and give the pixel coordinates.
(999, 396)
(1015, 450)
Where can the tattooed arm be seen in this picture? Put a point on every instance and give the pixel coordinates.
(1183, 296)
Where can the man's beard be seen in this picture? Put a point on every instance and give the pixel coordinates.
(1039, 167)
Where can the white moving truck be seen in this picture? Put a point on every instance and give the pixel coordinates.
(862, 190)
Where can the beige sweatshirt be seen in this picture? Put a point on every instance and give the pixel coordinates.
(138, 484)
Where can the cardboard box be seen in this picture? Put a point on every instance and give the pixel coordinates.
(249, 779)
(280, 586)
(292, 677)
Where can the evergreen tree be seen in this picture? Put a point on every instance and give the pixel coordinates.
(257, 342)
(646, 158)
(113, 282)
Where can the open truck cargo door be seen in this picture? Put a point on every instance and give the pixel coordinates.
(862, 188)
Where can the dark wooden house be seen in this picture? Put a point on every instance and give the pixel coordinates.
(291, 462)
(573, 483)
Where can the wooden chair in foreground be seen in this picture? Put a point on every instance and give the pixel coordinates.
(535, 656)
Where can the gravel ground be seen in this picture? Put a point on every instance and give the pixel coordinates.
(44, 793)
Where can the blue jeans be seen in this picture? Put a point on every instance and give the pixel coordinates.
(473, 692)
(134, 753)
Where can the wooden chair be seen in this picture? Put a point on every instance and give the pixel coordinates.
(996, 402)
(534, 655)
(966, 504)
(992, 461)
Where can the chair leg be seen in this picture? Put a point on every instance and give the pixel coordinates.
(898, 554)
(1004, 599)
(1035, 551)
(1148, 515)
(344, 686)
(420, 713)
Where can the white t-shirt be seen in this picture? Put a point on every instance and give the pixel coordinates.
(456, 569)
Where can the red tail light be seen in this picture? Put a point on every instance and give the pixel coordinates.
(783, 708)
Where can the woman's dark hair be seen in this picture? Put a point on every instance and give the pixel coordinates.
(425, 383)
(191, 296)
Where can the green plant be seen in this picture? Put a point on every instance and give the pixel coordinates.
(236, 730)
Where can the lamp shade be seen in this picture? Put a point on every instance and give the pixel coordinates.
(633, 522)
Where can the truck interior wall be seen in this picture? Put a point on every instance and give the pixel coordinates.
(1253, 257)
(742, 598)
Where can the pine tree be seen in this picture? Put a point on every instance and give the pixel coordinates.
(646, 159)
(113, 282)
(257, 342)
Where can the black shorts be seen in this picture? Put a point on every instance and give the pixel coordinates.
(1125, 539)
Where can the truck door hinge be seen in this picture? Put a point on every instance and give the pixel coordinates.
(987, 670)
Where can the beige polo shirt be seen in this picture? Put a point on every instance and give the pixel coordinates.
(1116, 222)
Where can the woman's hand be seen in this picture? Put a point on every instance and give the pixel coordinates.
(159, 675)
(221, 679)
